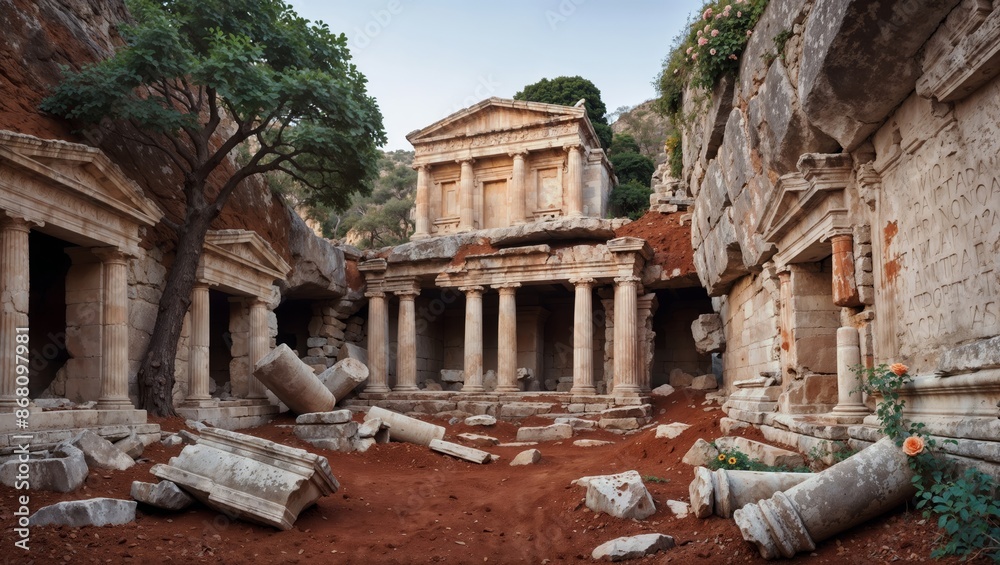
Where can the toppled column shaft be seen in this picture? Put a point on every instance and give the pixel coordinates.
(293, 382)
(853, 491)
(724, 491)
(405, 428)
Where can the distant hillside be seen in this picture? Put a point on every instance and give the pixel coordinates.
(647, 127)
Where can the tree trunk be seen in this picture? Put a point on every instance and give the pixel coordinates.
(156, 374)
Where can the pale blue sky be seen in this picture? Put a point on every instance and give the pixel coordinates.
(427, 59)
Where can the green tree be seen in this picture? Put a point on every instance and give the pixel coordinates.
(623, 143)
(633, 167)
(630, 199)
(236, 89)
(383, 218)
(568, 91)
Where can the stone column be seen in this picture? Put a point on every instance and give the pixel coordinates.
(647, 306)
(198, 394)
(845, 287)
(114, 331)
(466, 207)
(14, 291)
(258, 346)
(406, 354)
(378, 343)
(517, 184)
(849, 400)
(626, 341)
(787, 347)
(507, 339)
(583, 338)
(473, 339)
(574, 182)
(423, 212)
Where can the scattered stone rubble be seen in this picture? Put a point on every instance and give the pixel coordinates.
(336, 431)
(90, 512)
(164, 494)
(65, 471)
(623, 495)
(552, 432)
(461, 451)
(623, 548)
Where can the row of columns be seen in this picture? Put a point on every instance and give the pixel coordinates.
(515, 196)
(627, 377)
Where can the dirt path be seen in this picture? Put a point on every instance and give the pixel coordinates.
(401, 503)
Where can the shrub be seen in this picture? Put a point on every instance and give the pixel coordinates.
(630, 200)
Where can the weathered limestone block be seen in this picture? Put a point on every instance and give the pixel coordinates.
(452, 376)
(719, 258)
(591, 443)
(768, 454)
(625, 548)
(879, 43)
(64, 472)
(164, 494)
(316, 262)
(705, 382)
(662, 390)
(343, 377)
(527, 457)
(250, 478)
(375, 429)
(679, 378)
(622, 496)
(700, 453)
(332, 417)
(100, 452)
(545, 433)
(352, 351)
(865, 485)
(460, 451)
(724, 491)
(404, 428)
(326, 431)
(708, 334)
(131, 446)
(293, 382)
(481, 420)
(577, 423)
(479, 440)
(670, 431)
(621, 423)
(678, 508)
(634, 411)
(90, 512)
(981, 354)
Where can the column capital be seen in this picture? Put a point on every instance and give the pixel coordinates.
(507, 288)
(573, 147)
(420, 167)
(111, 254)
(582, 281)
(471, 289)
(407, 294)
(522, 153)
(9, 221)
(375, 294)
(630, 279)
(469, 160)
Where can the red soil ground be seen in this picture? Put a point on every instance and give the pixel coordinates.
(401, 503)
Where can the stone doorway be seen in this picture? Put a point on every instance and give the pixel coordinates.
(220, 341)
(293, 325)
(48, 268)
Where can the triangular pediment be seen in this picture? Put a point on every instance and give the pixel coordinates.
(248, 248)
(82, 170)
(496, 115)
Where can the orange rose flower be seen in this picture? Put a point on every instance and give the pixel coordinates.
(913, 445)
(899, 368)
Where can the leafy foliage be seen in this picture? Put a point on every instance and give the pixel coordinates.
(630, 199)
(735, 460)
(633, 167)
(965, 503)
(567, 91)
(623, 143)
(675, 154)
(383, 218)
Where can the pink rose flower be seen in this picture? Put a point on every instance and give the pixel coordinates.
(707, 14)
(913, 445)
(712, 51)
(702, 40)
(715, 33)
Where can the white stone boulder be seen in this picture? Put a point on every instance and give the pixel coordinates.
(250, 478)
(460, 451)
(623, 496)
(545, 433)
(700, 454)
(577, 423)
(670, 431)
(708, 334)
(100, 452)
(678, 508)
(479, 440)
(679, 378)
(527, 457)
(623, 548)
(662, 390)
(705, 382)
(90, 512)
(164, 494)
(591, 442)
(65, 471)
(131, 446)
(482, 420)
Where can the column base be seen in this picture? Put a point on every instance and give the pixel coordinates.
(587, 389)
(473, 388)
(114, 404)
(378, 389)
(849, 413)
(508, 389)
(8, 404)
(627, 390)
(208, 402)
(406, 388)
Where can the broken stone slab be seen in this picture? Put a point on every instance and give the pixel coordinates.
(100, 452)
(700, 453)
(727, 425)
(678, 508)
(343, 444)
(545, 433)
(670, 431)
(621, 423)
(479, 440)
(172, 440)
(363, 444)
(293, 382)
(527, 457)
(64, 472)
(352, 351)
(481, 420)
(187, 437)
(705, 382)
(861, 487)
(662, 390)
(309, 432)
(767, 454)
(195, 425)
(164, 494)
(452, 376)
(634, 547)
(708, 334)
(460, 451)
(343, 377)
(623, 496)
(405, 428)
(591, 443)
(577, 423)
(332, 417)
(89, 512)
(679, 378)
(250, 478)
(131, 446)
(375, 429)
(518, 444)
(636, 411)
(724, 491)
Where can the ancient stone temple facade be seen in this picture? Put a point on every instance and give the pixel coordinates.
(513, 281)
(851, 219)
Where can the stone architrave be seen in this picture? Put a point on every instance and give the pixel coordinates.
(250, 478)
(865, 485)
(293, 382)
